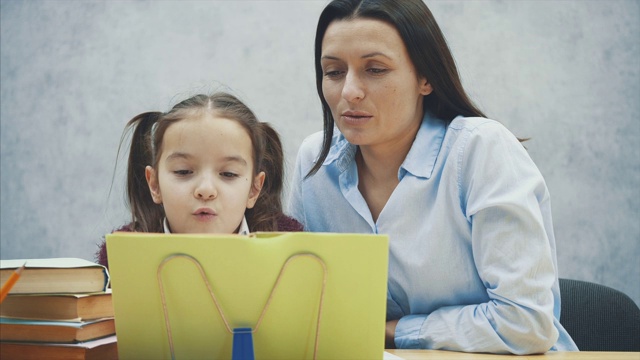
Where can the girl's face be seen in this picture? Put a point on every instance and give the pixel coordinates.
(370, 83)
(204, 177)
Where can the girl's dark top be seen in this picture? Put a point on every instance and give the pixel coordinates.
(285, 224)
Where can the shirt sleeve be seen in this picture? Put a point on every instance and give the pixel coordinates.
(505, 200)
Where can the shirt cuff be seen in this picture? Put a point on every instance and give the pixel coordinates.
(408, 332)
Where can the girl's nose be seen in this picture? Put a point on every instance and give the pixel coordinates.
(353, 89)
(206, 189)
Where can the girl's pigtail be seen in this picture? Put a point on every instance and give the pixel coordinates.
(146, 215)
(267, 210)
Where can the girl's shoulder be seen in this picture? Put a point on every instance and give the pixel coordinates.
(101, 253)
(287, 223)
(126, 228)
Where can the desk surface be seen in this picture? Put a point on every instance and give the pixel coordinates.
(560, 355)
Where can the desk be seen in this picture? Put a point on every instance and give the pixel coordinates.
(560, 355)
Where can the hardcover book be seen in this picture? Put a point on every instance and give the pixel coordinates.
(55, 331)
(61, 307)
(55, 275)
(100, 349)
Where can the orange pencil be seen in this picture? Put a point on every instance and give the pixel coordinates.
(6, 287)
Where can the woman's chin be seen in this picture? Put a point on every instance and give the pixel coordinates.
(356, 137)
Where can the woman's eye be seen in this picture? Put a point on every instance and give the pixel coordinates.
(333, 73)
(377, 71)
(182, 172)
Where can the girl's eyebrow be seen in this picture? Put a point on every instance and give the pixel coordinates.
(238, 159)
(178, 155)
(231, 158)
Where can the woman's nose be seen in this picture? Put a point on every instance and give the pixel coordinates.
(206, 189)
(353, 89)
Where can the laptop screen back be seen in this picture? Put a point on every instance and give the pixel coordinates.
(303, 295)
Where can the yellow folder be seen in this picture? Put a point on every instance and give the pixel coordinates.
(312, 295)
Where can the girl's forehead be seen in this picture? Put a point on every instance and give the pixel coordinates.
(208, 125)
(208, 135)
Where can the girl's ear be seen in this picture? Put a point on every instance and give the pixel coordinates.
(425, 87)
(152, 181)
(258, 181)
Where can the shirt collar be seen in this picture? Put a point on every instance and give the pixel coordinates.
(165, 225)
(243, 230)
(424, 151)
(420, 160)
(341, 151)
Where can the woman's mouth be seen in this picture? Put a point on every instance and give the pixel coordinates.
(355, 117)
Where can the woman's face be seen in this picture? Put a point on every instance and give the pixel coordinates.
(370, 83)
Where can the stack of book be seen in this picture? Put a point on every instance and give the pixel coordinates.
(60, 308)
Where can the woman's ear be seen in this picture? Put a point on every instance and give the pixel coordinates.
(425, 87)
(256, 187)
(154, 186)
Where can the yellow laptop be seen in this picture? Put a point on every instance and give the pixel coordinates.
(269, 295)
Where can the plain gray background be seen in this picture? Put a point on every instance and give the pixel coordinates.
(564, 73)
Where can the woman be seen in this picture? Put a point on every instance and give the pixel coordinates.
(472, 264)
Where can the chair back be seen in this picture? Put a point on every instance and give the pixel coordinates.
(599, 318)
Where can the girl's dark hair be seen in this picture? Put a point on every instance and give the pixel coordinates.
(427, 48)
(146, 146)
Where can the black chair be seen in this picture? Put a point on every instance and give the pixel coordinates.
(599, 318)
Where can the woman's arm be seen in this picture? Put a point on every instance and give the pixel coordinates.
(506, 202)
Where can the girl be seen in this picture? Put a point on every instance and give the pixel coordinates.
(472, 262)
(206, 166)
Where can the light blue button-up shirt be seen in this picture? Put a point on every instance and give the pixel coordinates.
(472, 255)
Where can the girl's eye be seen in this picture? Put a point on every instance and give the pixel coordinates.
(228, 174)
(182, 172)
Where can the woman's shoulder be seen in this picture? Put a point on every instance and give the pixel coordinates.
(287, 223)
(309, 150)
(313, 142)
(474, 123)
(479, 128)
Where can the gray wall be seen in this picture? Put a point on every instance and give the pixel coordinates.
(73, 73)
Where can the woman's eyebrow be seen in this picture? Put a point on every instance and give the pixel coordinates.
(365, 56)
(374, 54)
(329, 57)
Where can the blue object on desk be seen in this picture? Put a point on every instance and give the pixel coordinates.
(242, 344)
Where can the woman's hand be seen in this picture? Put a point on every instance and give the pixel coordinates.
(390, 334)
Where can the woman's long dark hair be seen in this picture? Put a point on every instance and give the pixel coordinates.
(427, 48)
(146, 146)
